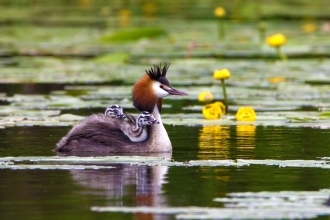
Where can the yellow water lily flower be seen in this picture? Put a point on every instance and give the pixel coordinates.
(222, 107)
(276, 40)
(205, 97)
(85, 3)
(212, 111)
(219, 12)
(246, 114)
(124, 17)
(221, 74)
(309, 27)
(276, 79)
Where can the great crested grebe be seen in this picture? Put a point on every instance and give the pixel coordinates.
(96, 133)
(132, 127)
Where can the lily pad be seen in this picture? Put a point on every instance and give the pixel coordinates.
(112, 58)
(246, 205)
(324, 115)
(70, 118)
(133, 34)
(52, 167)
(161, 161)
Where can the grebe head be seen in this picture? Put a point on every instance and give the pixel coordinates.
(114, 111)
(145, 118)
(152, 87)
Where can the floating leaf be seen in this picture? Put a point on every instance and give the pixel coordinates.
(70, 117)
(52, 167)
(133, 34)
(246, 205)
(324, 115)
(161, 161)
(112, 58)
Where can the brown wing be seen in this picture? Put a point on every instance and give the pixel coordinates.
(96, 134)
(130, 117)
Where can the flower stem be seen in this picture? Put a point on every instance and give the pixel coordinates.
(280, 54)
(262, 35)
(224, 93)
(221, 28)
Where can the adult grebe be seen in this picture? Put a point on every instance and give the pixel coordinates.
(96, 133)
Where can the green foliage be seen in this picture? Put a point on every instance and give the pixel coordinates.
(133, 34)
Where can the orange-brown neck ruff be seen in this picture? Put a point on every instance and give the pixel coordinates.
(144, 98)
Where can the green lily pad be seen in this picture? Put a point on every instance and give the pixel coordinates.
(324, 115)
(112, 58)
(14, 112)
(318, 82)
(70, 118)
(133, 34)
(160, 161)
(52, 167)
(246, 205)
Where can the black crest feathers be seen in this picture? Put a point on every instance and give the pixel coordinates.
(158, 71)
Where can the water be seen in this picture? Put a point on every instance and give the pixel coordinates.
(70, 194)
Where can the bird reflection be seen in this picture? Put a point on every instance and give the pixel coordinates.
(123, 183)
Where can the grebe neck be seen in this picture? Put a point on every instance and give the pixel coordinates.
(158, 136)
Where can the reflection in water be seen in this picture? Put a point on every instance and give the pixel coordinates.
(217, 142)
(214, 141)
(141, 184)
(246, 136)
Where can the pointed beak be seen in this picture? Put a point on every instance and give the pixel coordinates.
(173, 91)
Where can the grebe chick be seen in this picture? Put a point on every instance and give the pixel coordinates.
(101, 133)
(115, 111)
(131, 127)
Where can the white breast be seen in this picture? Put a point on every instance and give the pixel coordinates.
(142, 137)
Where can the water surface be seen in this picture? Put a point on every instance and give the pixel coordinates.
(69, 194)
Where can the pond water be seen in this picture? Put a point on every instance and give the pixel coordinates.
(81, 193)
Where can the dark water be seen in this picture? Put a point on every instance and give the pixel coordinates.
(69, 194)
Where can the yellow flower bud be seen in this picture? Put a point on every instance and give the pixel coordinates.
(221, 74)
(246, 114)
(276, 40)
(205, 97)
(212, 111)
(219, 12)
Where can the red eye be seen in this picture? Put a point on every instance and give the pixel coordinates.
(161, 86)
